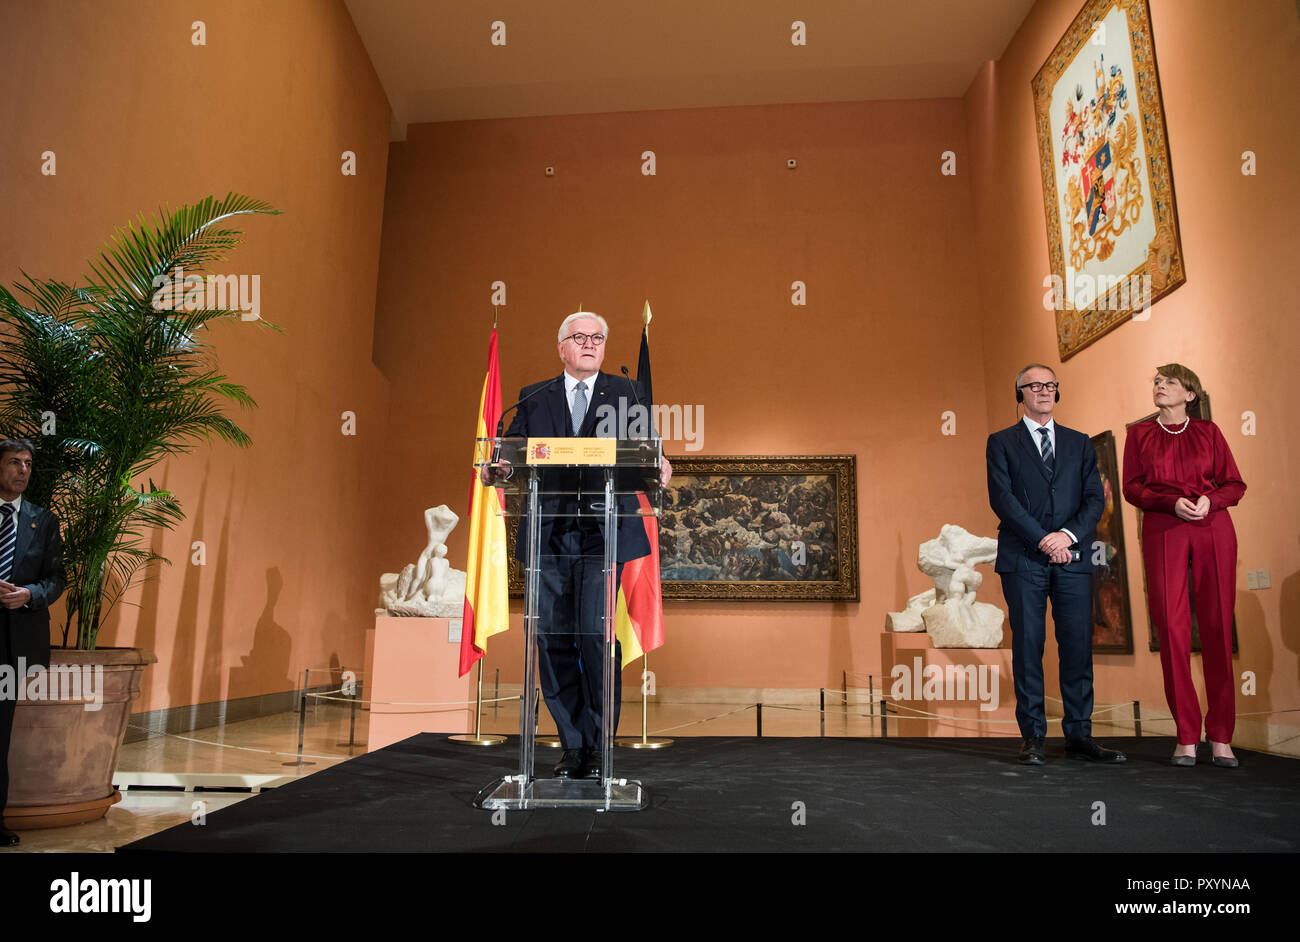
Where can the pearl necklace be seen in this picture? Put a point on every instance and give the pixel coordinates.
(1186, 422)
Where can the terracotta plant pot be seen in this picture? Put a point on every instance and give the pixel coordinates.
(63, 751)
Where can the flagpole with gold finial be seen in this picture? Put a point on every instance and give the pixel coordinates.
(645, 742)
(477, 738)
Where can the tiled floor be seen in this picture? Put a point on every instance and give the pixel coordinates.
(172, 779)
(208, 761)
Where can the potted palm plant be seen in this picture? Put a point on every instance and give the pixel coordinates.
(107, 379)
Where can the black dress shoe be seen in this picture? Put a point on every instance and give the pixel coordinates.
(569, 765)
(8, 838)
(1092, 750)
(1033, 751)
(590, 764)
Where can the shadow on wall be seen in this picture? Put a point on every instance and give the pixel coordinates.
(269, 656)
(1289, 612)
(180, 672)
(1254, 654)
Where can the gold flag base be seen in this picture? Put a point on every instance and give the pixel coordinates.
(631, 742)
(469, 739)
(478, 738)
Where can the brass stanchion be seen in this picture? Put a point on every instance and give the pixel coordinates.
(302, 717)
(645, 742)
(478, 739)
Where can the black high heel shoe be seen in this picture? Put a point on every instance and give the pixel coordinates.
(1224, 762)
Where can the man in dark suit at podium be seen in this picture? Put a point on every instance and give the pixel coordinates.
(1046, 490)
(31, 578)
(570, 637)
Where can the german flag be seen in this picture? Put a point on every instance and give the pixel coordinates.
(639, 618)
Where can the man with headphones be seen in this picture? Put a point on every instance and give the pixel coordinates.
(1046, 490)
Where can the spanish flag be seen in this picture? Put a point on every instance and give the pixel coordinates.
(639, 619)
(486, 606)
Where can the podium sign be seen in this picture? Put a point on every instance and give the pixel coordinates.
(573, 452)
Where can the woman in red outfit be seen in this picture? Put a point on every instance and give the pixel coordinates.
(1179, 471)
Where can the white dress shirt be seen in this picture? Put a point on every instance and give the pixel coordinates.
(1038, 443)
(571, 386)
(17, 504)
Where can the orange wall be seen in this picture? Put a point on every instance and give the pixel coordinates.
(1226, 72)
(137, 116)
(888, 341)
(924, 295)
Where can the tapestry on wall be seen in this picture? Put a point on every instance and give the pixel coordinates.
(1108, 194)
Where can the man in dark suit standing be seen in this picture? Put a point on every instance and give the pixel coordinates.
(31, 577)
(1046, 490)
(570, 631)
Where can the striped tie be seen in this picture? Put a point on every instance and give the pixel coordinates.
(8, 535)
(579, 406)
(1049, 459)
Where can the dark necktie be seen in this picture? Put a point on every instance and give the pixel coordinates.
(579, 406)
(8, 535)
(1049, 458)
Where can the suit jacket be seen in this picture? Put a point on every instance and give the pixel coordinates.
(1032, 502)
(38, 567)
(547, 414)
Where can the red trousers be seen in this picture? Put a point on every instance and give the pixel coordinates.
(1168, 544)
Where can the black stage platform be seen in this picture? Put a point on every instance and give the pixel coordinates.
(741, 794)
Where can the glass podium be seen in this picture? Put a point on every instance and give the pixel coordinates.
(570, 495)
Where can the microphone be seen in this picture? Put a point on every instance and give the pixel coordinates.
(628, 376)
(637, 399)
(542, 388)
(649, 418)
(496, 452)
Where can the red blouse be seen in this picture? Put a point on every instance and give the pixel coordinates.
(1160, 467)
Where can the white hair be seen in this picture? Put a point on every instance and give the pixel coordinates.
(564, 327)
(1033, 366)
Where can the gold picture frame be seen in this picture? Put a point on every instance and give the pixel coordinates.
(755, 528)
(1108, 193)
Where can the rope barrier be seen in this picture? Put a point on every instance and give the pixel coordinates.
(669, 729)
(325, 696)
(222, 745)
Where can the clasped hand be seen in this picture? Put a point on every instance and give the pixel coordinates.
(14, 596)
(494, 473)
(1057, 547)
(1188, 510)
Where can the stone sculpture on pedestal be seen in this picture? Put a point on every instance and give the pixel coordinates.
(429, 586)
(949, 611)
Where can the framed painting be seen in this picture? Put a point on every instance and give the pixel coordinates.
(1152, 638)
(1108, 192)
(755, 527)
(1112, 616)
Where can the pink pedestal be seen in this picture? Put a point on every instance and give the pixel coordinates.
(411, 661)
(941, 680)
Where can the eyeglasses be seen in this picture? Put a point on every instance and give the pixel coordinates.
(1039, 387)
(580, 340)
